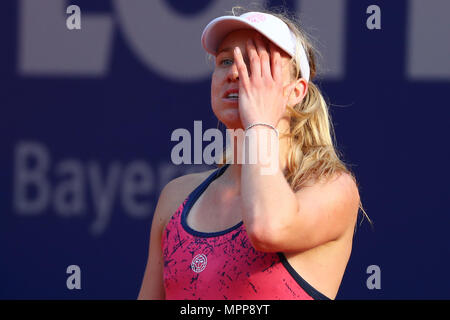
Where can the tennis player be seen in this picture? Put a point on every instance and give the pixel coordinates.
(232, 232)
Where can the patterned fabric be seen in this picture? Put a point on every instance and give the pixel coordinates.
(224, 265)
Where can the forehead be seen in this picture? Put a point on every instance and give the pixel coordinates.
(237, 36)
(240, 37)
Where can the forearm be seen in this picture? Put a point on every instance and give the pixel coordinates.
(269, 202)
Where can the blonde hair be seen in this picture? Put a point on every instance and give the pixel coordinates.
(313, 154)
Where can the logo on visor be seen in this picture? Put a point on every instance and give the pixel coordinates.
(199, 263)
(256, 17)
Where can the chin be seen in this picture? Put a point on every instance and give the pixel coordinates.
(230, 118)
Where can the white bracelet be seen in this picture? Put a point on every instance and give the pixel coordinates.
(263, 124)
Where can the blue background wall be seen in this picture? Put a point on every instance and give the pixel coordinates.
(99, 104)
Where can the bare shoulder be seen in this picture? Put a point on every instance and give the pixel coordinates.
(341, 185)
(333, 201)
(345, 187)
(175, 192)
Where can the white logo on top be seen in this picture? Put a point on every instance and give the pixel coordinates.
(199, 263)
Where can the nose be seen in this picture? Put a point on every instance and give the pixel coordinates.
(233, 74)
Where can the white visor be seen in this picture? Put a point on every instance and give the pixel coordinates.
(268, 25)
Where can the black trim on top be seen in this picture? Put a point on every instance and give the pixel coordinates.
(193, 196)
(302, 282)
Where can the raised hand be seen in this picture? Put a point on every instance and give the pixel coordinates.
(262, 95)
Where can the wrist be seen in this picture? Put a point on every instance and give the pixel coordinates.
(259, 125)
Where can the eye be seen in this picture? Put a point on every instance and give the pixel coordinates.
(226, 62)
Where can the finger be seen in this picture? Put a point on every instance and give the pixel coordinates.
(255, 64)
(241, 67)
(263, 57)
(275, 59)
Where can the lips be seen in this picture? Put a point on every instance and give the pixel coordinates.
(231, 94)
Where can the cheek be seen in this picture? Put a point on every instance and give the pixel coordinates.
(216, 87)
(214, 94)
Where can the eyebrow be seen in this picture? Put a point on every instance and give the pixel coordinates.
(225, 49)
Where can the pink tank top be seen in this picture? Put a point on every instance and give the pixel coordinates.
(224, 265)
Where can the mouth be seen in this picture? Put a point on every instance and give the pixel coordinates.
(231, 95)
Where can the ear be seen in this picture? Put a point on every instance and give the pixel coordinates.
(299, 92)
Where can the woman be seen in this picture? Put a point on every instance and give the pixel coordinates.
(232, 232)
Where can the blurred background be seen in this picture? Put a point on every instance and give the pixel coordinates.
(86, 118)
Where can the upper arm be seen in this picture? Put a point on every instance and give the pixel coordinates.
(152, 285)
(326, 212)
(171, 197)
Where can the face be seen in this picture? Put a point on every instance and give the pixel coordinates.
(225, 76)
